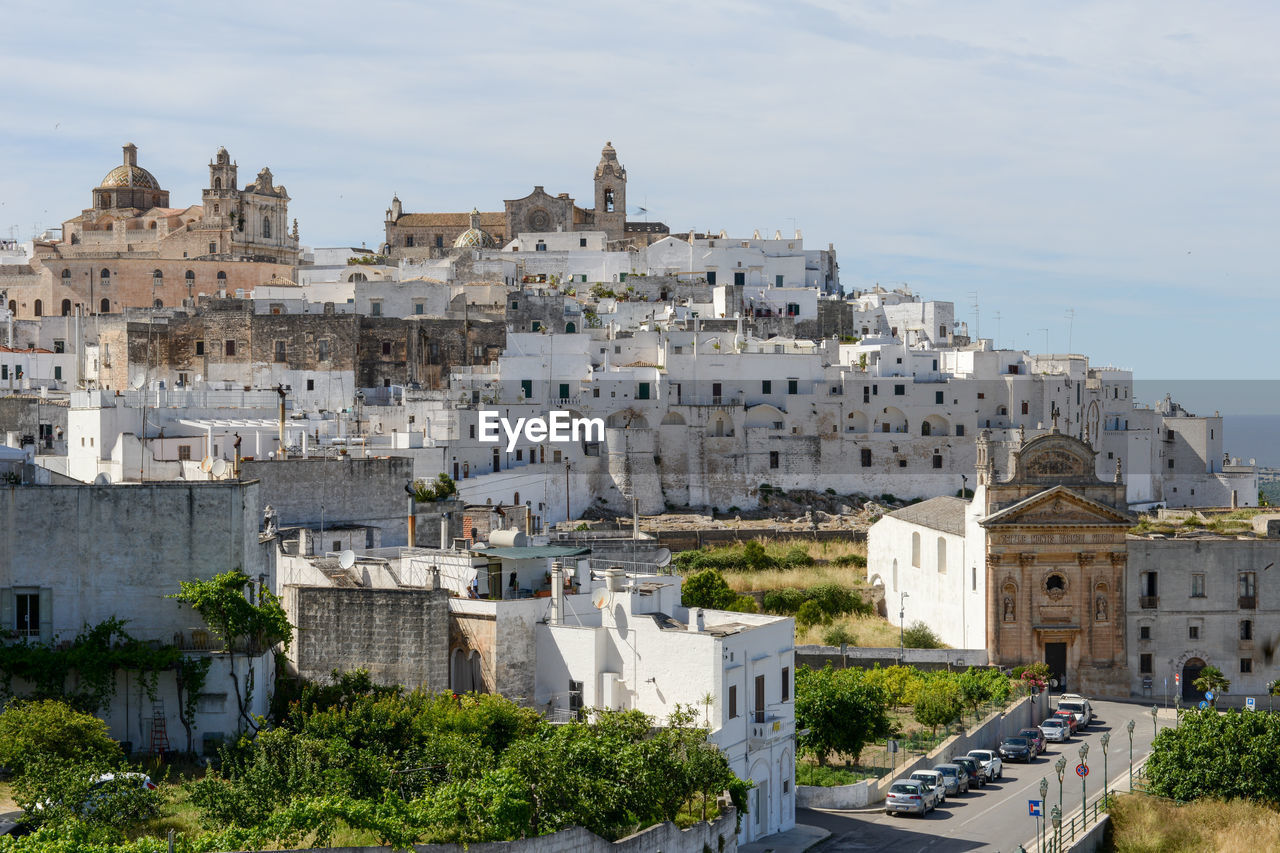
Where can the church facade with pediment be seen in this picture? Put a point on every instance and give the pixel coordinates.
(1055, 558)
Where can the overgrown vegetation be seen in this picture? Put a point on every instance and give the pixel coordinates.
(1226, 756)
(1150, 825)
(439, 489)
(918, 635)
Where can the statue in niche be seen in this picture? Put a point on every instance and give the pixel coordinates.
(1100, 609)
(1009, 615)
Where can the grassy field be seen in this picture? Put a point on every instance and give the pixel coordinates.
(873, 632)
(1149, 825)
(6, 798)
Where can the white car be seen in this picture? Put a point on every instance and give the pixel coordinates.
(934, 783)
(1077, 705)
(989, 761)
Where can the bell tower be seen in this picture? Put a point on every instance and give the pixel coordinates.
(611, 194)
(221, 196)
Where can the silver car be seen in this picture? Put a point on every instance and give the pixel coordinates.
(955, 777)
(907, 795)
(1056, 729)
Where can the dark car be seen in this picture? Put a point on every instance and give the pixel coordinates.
(976, 777)
(1069, 718)
(1037, 739)
(1016, 749)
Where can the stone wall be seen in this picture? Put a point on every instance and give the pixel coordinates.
(717, 835)
(866, 658)
(399, 635)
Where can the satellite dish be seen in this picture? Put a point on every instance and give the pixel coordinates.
(347, 559)
(218, 468)
(103, 479)
(600, 598)
(663, 558)
(206, 464)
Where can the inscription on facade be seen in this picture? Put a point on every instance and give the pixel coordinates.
(1051, 538)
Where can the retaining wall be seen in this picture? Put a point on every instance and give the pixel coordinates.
(925, 659)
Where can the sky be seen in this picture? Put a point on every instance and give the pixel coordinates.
(1023, 160)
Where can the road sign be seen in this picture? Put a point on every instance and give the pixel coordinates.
(1035, 808)
(1177, 679)
(1203, 704)
(1208, 695)
(1082, 770)
(1250, 704)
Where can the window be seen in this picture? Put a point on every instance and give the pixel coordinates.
(1144, 632)
(1197, 586)
(575, 698)
(1193, 632)
(866, 457)
(222, 276)
(942, 555)
(902, 463)
(773, 459)
(213, 248)
(322, 349)
(266, 227)
(280, 351)
(1171, 464)
(1248, 589)
(104, 307)
(66, 275)
(1055, 583)
(959, 429)
(229, 347)
(157, 278)
(311, 386)
(582, 242)
(105, 275)
(937, 397)
(199, 347)
(793, 386)
(1246, 629)
(937, 460)
(375, 308)
(766, 386)
(915, 550)
(526, 388)
(190, 278)
(386, 347)
(59, 346)
(899, 390)
(982, 396)
(439, 241)
(711, 276)
(733, 701)
(184, 452)
(433, 352)
(26, 612)
(39, 308)
(57, 372)
(759, 709)
(419, 308)
(786, 684)
(973, 584)
(740, 278)
(642, 391)
(1246, 665)
(536, 326)
(1144, 664)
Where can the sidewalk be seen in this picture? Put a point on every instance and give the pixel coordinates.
(797, 840)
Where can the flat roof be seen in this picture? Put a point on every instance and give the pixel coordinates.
(533, 552)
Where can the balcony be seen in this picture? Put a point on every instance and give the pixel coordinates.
(766, 728)
(1248, 602)
(1148, 602)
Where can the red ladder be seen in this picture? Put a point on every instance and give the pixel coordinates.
(159, 731)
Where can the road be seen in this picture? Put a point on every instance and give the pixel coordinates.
(995, 818)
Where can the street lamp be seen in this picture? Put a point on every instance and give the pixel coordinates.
(1056, 817)
(1155, 727)
(1044, 792)
(1060, 766)
(1084, 754)
(1129, 728)
(902, 613)
(1105, 741)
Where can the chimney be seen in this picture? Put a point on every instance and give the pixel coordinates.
(1234, 499)
(557, 594)
(614, 578)
(444, 530)
(699, 622)
(130, 154)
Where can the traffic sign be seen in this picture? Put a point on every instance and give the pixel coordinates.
(1082, 770)
(1250, 704)
(1208, 694)
(1177, 679)
(1203, 704)
(1034, 808)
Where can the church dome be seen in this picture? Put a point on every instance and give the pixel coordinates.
(474, 238)
(128, 175)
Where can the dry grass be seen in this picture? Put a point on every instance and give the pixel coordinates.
(872, 632)
(1149, 825)
(802, 578)
(6, 798)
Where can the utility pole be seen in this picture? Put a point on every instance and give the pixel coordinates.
(902, 610)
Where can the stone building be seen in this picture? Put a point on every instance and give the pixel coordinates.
(131, 249)
(428, 235)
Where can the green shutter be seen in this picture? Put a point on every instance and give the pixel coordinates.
(6, 610)
(46, 614)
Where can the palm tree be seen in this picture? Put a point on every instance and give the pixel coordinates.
(1211, 678)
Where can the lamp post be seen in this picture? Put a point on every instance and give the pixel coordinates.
(1129, 728)
(902, 613)
(1044, 792)
(1084, 815)
(1060, 766)
(1056, 817)
(1155, 727)
(1105, 741)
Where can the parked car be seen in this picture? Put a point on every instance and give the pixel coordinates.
(989, 761)
(976, 777)
(934, 783)
(1036, 737)
(1016, 748)
(1071, 719)
(101, 786)
(956, 778)
(907, 795)
(1078, 705)
(1056, 730)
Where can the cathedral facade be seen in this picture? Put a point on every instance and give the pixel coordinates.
(427, 235)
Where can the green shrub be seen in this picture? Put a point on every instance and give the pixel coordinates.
(920, 636)
(836, 600)
(32, 733)
(707, 588)
(826, 777)
(784, 602)
(811, 613)
(851, 560)
(796, 557)
(839, 635)
(743, 604)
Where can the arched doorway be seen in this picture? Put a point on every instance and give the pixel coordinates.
(1190, 672)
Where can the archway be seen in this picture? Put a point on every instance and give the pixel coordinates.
(570, 328)
(1190, 672)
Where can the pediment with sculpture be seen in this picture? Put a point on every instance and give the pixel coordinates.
(1058, 506)
(1054, 457)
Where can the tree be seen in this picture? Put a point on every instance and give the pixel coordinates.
(707, 588)
(938, 703)
(920, 636)
(1212, 679)
(811, 613)
(839, 711)
(1225, 756)
(33, 733)
(755, 557)
(225, 607)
